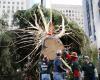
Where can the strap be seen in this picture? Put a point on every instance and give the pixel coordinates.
(66, 64)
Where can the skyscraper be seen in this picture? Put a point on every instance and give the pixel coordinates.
(89, 24)
(92, 19)
(96, 10)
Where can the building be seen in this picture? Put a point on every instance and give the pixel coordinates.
(89, 24)
(9, 7)
(72, 12)
(92, 19)
(96, 11)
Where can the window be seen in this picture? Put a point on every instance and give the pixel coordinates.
(22, 3)
(69, 14)
(22, 8)
(8, 6)
(12, 11)
(75, 11)
(66, 10)
(17, 8)
(99, 6)
(8, 2)
(4, 2)
(3, 6)
(88, 18)
(13, 2)
(8, 11)
(99, 3)
(3, 11)
(69, 11)
(12, 7)
(18, 3)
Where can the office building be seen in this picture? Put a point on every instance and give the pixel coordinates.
(96, 11)
(89, 24)
(92, 20)
(72, 12)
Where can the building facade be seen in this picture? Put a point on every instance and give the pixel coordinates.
(96, 11)
(9, 7)
(72, 12)
(92, 19)
(89, 24)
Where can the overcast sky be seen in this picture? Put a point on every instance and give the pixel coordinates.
(73, 2)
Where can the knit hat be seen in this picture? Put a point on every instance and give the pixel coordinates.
(74, 54)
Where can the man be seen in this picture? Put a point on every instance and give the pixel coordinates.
(44, 69)
(58, 68)
(73, 58)
(98, 66)
(75, 66)
(88, 69)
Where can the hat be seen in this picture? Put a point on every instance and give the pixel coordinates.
(74, 54)
(86, 57)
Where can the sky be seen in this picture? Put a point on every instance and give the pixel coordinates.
(72, 2)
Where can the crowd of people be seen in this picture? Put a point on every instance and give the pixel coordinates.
(66, 66)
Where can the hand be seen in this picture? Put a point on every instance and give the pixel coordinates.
(66, 51)
(96, 77)
(82, 78)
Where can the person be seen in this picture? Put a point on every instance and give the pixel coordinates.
(88, 70)
(75, 66)
(27, 72)
(98, 66)
(58, 67)
(73, 60)
(44, 69)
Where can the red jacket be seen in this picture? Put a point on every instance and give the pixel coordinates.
(69, 57)
(76, 72)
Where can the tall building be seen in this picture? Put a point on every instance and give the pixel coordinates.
(73, 12)
(92, 19)
(96, 11)
(89, 24)
(9, 7)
